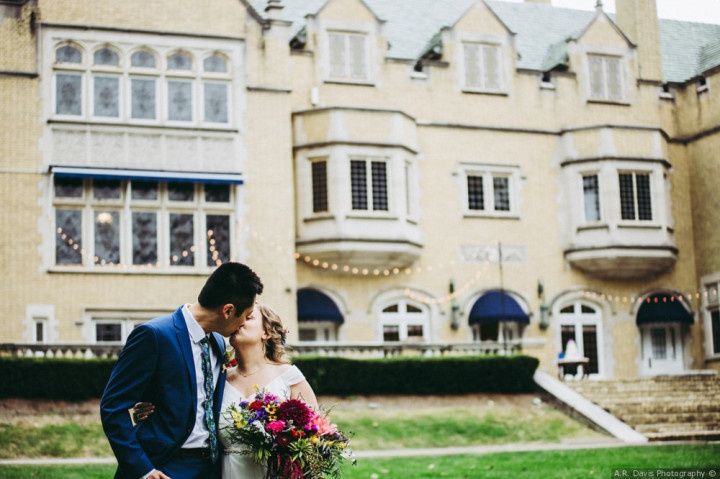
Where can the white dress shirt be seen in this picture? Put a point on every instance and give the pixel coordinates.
(199, 435)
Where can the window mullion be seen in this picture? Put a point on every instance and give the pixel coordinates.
(369, 184)
(635, 196)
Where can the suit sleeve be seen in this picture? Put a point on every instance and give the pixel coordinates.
(128, 382)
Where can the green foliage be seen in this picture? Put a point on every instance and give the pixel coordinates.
(60, 379)
(410, 375)
(78, 379)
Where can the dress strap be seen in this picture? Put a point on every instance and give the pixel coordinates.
(293, 376)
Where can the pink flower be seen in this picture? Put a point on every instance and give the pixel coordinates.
(275, 426)
(324, 426)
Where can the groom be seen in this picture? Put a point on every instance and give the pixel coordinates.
(175, 362)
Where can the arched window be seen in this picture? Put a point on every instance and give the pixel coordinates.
(106, 56)
(179, 61)
(319, 317)
(68, 54)
(404, 321)
(497, 316)
(143, 89)
(68, 81)
(215, 63)
(143, 59)
(105, 84)
(580, 324)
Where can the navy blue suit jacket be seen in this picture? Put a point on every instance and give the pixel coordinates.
(156, 365)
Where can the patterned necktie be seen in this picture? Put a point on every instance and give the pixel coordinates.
(208, 403)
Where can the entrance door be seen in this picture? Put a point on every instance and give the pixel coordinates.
(582, 322)
(662, 351)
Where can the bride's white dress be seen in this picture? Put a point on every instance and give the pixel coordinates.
(236, 465)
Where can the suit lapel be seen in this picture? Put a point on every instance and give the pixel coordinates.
(183, 337)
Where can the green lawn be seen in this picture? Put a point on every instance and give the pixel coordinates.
(53, 440)
(597, 463)
(389, 428)
(459, 428)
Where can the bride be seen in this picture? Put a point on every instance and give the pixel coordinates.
(262, 364)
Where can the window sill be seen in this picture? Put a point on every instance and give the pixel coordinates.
(128, 270)
(702, 89)
(609, 102)
(666, 96)
(593, 226)
(474, 91)
(638, 225)
(338, 81)
(487, 215)
(126, 124)
(323, 217)
(712, 358)
(547, 86)
(360, 216)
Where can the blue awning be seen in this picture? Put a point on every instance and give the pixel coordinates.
(663, 308)
(314, 305)
(497, 306)
(147, 175)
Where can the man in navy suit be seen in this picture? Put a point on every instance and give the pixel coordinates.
(175, 362)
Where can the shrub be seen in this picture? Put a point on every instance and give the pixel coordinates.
(78, 379)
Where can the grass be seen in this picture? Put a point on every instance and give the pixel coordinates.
(53, 440)
(444, 428)
(595, 463)
(391, 425)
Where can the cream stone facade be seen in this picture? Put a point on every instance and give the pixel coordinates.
(489, 177)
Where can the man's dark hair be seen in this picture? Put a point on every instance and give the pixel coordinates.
(231, 283)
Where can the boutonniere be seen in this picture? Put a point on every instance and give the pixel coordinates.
(230, 361)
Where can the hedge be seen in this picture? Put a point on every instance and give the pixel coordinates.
(78, 379)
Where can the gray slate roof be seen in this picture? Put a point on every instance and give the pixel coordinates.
(688, 48)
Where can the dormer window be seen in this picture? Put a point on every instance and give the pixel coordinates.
(702, 85)
(606, 80)
(348, 58)
(482, 66)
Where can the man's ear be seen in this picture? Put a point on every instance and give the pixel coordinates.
(227, 310)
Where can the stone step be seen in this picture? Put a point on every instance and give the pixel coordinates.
(683, 436)
(697, 401)
(682, 418)
(613, 392)
(664, 427)
(611, 389)
(660, 407)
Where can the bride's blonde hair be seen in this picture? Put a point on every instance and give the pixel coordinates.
(277, 335)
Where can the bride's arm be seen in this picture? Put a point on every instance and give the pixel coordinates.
(304, 392)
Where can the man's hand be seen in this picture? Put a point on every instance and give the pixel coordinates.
(155, 474)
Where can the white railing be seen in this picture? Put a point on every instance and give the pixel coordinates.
(350, 350)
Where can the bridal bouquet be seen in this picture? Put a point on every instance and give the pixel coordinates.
(288, 437)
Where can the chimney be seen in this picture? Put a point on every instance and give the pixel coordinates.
(639, 21)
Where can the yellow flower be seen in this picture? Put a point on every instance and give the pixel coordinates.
(271, 409)
(314, 439)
